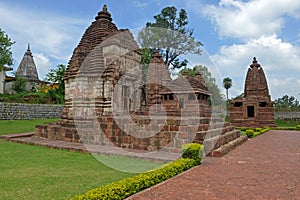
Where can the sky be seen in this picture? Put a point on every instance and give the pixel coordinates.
(232, 33)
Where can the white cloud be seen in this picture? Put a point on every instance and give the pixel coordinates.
(140, 4)
(48, 34)
(280, 61)
(280, 86)
(42, 63)
(243, 20)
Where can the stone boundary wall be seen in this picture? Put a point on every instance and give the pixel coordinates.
(288, 115)
(15, 111)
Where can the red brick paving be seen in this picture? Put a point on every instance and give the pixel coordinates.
(266, 167)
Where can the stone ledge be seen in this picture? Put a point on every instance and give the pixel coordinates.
(229, 146)
(18, 135)
(28, 138)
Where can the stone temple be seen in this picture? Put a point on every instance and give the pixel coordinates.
(108, 103)
(255, 108)
(26, 70)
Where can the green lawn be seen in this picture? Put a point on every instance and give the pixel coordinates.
(285, 123)
(21, 126)
(34, 172)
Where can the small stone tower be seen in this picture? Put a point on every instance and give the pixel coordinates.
(27, 68)
(255, 108)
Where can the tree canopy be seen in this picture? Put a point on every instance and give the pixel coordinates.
(227, 83)
(170, 36)
(216, 97)
(56, 75)
(5, 50)
(287, 103)
(19, 85)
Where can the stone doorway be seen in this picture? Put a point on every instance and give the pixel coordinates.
(250, 111)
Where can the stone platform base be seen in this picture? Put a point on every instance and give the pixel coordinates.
(145, 135)
(29, 138)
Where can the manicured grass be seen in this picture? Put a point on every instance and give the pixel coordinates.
(285, 123)
(126, 164)
(34, 172)
(21, 126)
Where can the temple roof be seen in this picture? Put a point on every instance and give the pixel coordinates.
(158, 73)
(188, 84)
(256, 82)
(94, 35)
(27, 67)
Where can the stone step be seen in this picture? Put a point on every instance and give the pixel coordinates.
(216, 119)
(218, 125)
(224, 149)
(217, 141)
(18, 135)
(202, 135)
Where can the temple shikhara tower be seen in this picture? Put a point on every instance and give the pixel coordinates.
(255, 108)
(27, 68)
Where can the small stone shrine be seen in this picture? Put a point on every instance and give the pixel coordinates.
(255, 108)
(107, 102)
(27, 68)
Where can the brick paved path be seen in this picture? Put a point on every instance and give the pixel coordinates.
(266, 167)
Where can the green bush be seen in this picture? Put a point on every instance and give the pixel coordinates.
(250, 133)
(298, 127)
(193, 150)
(253, 132)
(243, 129)
(129, 186)
(258, 129)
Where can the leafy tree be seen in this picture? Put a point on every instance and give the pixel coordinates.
(287, 103)
(5, 50)
(19, 85)
(216, 96)
(227, 83)
(56, 76)
(169, 36)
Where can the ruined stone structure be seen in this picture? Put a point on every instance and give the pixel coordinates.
(104, 102)
(255, 108)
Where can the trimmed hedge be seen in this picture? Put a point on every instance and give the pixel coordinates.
(250, 133)
(191, 156)
(130, 186)
(297, 128)
(194, 151)
(253, 132)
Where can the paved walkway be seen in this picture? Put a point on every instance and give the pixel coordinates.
(266, 167)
